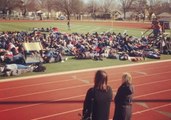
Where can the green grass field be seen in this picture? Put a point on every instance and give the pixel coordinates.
(80, 27)
(72, 64)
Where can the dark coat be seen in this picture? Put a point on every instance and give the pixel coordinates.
(123, 102)
(101, 103)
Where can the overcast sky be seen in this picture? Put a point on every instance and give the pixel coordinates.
(118, 0)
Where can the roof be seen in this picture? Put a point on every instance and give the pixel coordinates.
(165, 14)
(165, 19)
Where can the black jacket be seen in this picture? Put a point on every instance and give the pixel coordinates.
(101, 103)
(123, 100)
(124, 94)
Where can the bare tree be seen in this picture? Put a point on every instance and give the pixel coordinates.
(154, 7)
(107, 5)
(48, 5)
(140, 7)
(126, 6)
(33, 5)
(153, 2)
(8, 5)
(108, 8)
(165, 7)
(68, 6)
(92, 7)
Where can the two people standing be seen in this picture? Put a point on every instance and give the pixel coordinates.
(98, 99)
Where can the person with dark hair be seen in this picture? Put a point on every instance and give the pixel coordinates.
(123, 99)
(68, 24)
(98, 98)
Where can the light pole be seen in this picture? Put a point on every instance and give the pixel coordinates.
(112, 22)
(93, 7)
(93, 10)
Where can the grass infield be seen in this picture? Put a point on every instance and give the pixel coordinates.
(79, 27)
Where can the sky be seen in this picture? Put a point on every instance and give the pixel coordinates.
(117, 0)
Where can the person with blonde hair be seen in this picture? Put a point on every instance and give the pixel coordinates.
(127, 78)
(98, 98)
(123, 99)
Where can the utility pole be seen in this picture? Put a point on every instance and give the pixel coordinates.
(68, 7)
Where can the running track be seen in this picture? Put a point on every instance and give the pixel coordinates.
(60, 96)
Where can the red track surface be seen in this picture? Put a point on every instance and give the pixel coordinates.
(60, 97)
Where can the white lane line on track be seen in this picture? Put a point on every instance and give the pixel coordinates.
(79, 109)
(53, 90)
(37, 84)
(148, 83)
(150, 109)
(35, 93)
(139, 72)
(25, 106)
(44, 83)
(85, 70)
(153, 93)
(82, 80)
(53, 115)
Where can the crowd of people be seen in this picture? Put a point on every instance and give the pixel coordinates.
(56, 46)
